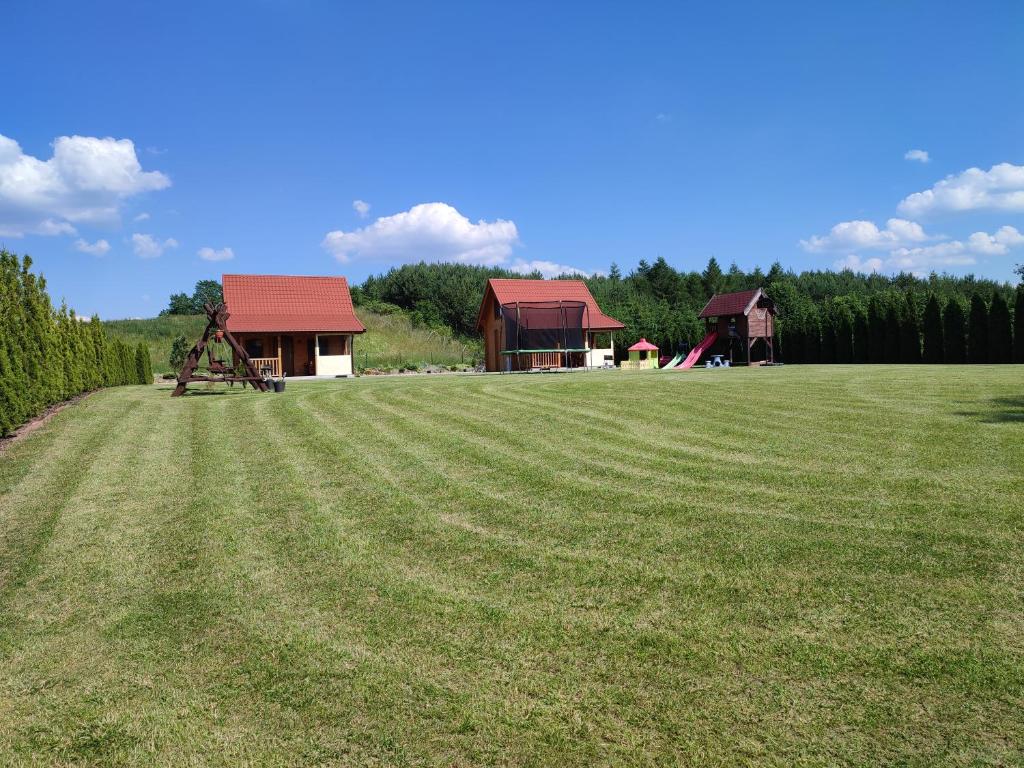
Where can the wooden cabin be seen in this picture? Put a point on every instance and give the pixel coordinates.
(295, 326)
(544, 324)
(745, 322)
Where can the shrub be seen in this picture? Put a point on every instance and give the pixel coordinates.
(143, 364)
(179, 351)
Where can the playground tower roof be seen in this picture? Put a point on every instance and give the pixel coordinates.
(739, 303)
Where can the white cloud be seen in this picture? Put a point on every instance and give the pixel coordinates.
(141, 217)
(855, 263)
(919, 155)
(361, 207)
(998, 244)
(430, 232)
(86, 180)
(148, 247)
(853, 235)
(215, 254)
(98, 248)
(663, 117)
(546, 268)
(949, 253)
(926, 258)
(999, 188)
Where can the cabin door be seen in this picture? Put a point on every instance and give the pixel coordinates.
(288, 355)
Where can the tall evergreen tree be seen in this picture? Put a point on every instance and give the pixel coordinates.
(892, 334)
(933, 351)
(829, 338)
(844, 337)
(812, 337)
(954, 332)
(1018, 325)
(910, 332)
(876, 330)
(1000, 334)
(977, 331)
(860, 336)
(712, 277)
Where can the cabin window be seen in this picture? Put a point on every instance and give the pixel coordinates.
(600, 340)
(333, 345)
(254, 347)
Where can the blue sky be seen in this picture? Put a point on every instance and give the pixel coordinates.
(147, 146)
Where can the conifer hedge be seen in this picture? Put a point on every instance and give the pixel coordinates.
(48, 355)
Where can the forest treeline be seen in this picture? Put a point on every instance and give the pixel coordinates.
(48, 355)
(824, 316)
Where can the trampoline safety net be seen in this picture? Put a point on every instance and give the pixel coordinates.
(545, 326)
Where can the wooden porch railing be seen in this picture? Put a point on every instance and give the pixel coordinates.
(267, 362)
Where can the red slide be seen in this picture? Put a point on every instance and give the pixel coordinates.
(699, 350)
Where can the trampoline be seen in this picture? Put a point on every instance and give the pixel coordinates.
(545, 334)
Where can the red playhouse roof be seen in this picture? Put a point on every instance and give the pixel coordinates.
(739, 303)
(643, 346)
(287, 304)
(507, 291)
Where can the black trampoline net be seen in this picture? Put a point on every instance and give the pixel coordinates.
(545, 326)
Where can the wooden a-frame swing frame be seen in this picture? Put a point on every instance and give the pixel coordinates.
(218, 321)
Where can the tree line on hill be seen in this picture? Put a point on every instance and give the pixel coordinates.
(824, 316)
(48, 355)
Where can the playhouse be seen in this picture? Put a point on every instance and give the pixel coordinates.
(642, 355)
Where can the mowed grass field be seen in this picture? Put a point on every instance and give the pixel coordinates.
(792, 566)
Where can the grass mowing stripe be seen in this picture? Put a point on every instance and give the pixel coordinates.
(29, 511)
(85, 580)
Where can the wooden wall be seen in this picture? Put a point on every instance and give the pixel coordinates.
(493, 335)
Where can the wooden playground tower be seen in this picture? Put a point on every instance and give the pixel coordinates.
(218, 370)
(742, 318)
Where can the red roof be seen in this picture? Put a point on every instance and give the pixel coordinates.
(287, 304)
(508, 290)
(643, 346)
(724, 304)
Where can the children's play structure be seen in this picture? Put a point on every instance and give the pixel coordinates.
(642, 355)
(698, 351)
(218, 370)
(739, 328)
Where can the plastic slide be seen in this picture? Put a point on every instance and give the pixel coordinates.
(699, 350)
(673, 362)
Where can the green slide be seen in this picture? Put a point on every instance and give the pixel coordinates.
(673, 362)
